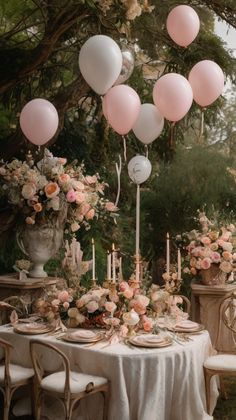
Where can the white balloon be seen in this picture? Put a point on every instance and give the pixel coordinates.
(149, 124)
(100, 62)
(139, 169)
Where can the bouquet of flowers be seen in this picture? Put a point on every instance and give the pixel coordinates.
(213, 246)
(40, 191)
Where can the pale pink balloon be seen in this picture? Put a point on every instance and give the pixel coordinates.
(183, 25)
(39, 121)
(173, 96)
(121, 106)
(207, 81)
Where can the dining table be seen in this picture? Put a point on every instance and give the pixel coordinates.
(164, 383)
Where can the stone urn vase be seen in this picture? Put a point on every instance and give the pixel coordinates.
(40, 242)
(213, 276)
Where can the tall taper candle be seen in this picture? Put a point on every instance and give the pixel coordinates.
(113, 264)
(93, 258)
(108, 265)
(179, 265)
(168, 254)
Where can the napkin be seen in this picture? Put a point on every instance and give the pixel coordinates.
(187, 324)
(83, 334)
(149, 338)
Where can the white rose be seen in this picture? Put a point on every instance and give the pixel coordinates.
(28, 191)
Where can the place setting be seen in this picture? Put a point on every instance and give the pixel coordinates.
(82, 336)
(151, 340)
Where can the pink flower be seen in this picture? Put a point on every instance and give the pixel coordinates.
(84, 208)
(30, 220)
(56, 302)
(74, 227)
(91, 179)
(226, 236)
(128, 293)
(227, 256)
(28, 191)
(109, 206)
(63, 296)
(92, 306)
(205, 240)
(124, 330)
(90, 215)
(205, 263)
(77, 185)
(66, 305)
(62, 161)
(63, 179)
(193, 271)
(71, 196)
(215, 257)
(123, 286)
(110, 306)
(80, 197)
(226, 267)
(51, 189)
(147, 323)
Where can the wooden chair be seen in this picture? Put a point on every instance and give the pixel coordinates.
(9, 304)
(11, 377)
(222, 363)
(67, 386)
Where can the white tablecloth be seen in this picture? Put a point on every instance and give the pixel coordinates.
(146, 384)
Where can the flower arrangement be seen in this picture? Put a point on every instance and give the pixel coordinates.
(119, 308)
(39, 191)
(213, 246)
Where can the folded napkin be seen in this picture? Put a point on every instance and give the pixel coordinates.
(83, 334)
(187, 324)
(149, 338)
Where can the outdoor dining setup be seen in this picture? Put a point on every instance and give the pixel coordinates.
(78, 344)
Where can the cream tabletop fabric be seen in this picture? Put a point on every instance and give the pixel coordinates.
(146, 384)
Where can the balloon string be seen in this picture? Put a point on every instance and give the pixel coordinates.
(172, 128)
(146, 150)
(124, 146)
(202, 125)
(118, 171)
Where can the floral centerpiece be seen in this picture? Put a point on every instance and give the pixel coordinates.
(50, 197)
(211, 252)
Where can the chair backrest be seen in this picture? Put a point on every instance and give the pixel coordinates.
(9, 304)
(184, 302)
(39, 351)
(227, 313)
(6, 347)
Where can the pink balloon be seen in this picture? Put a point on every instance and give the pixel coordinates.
(207, 81)
(183, 25)
(121, 106)
(39, 121)
(173, 96)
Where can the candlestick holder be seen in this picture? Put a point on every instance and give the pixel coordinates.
(94, 284)
(172, 282)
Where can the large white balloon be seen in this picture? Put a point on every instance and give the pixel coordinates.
(149, 124)
(100, 62)
(139, 169)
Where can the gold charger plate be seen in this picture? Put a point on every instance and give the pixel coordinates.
(32, 329)
(192, 330)
(69, 337)
(167, 341)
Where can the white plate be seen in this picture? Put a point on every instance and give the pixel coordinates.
(32, 328)
(140, 341)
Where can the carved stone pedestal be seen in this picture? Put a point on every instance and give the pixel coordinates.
(205, 306)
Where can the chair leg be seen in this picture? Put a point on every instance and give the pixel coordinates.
(105, 406)
(7, 403)
(222, 388)
(37, 403)
(208, 375)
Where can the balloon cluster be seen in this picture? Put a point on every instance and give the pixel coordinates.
(106, 67)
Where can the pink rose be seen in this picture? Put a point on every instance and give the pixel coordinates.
(28, 191)
(109, 206)
(205, 240)
(90, 215)
(74, 227)
(123, 286)
(226, 267)
(92, 306)
(84, 208)
(205, 263)
(227, 256)
(110, 306)
(226, 236)
(147, 323)
(63, 179)
(77, 185)
(215, 257)
(71, 196)
(80, 197)
(63, 296)
(56, 302)
(128, 293)
(51, 189)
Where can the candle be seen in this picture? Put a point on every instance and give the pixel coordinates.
(137, 220)
(179, 265)
(167, 254)
(120, 270)
(108, 265)
(113, 264)
(93, 258)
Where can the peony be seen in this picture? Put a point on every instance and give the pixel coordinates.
(92, 306)
(51, 189)
(215, 257)
(28, 191)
